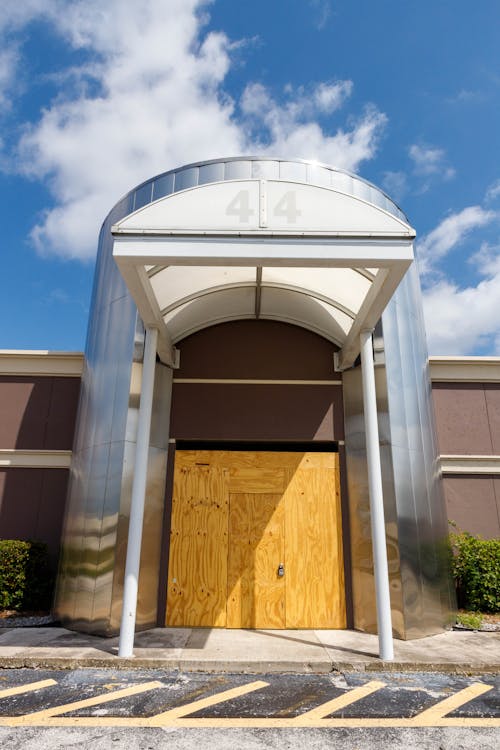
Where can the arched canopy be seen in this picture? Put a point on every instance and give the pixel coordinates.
(251, 238)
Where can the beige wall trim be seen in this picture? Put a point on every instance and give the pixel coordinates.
(470, 464)
(465, 369)
(19, 459)
(242, 381)
(32, 363)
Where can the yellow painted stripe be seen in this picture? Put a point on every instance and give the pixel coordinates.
(339, 702)
(449, 704)
(251, 723)
(176, 717)
(30, 686)
(37, 716)
(362, 722)
(213, 700)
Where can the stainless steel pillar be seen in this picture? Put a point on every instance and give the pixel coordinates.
(384, 622)
(130, 589)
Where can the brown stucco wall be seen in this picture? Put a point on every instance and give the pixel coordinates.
(468, 424)
(36, 413)
(32, 505)
(467, 418)
(256, 350)
(473, 503)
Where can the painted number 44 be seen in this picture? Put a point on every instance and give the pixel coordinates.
(286, 207)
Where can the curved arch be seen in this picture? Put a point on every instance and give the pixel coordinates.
(269, 285)
(237, 238)
(224, 305)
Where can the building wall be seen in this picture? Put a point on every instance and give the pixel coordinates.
(466, 394)
(422, 598)
(39, 395)
(256, 380)
(38, 403)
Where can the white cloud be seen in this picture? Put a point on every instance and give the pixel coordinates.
(464, 96)
(461, 321)
(396, 184)
(291, 129)
(158, 105)
(450, 233)
(303, 102)
(150, 96)
(8, 64)
(328, 97)
(493, 192)
(430, 161)
(322, 11)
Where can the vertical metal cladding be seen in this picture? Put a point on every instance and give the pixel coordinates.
(94, 542)
(90, 577)
(416, 525)
(363, 582)
(427, 595)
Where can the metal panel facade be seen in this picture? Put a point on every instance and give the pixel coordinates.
(94, 541)
(416, 525)
(90, 579)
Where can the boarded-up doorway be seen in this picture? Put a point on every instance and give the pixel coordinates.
(256, 540)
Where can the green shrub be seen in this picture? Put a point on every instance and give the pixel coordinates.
(26, 579)
(470, 620)
(476, 568)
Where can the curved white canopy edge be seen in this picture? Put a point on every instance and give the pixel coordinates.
(273, 249)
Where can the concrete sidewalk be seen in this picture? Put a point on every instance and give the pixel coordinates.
(253, 651)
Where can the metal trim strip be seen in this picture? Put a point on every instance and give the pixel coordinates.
(34, 459)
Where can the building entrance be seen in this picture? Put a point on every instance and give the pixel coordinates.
(256, 540)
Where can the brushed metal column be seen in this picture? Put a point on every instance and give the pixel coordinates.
(384, 621)
(131, 584)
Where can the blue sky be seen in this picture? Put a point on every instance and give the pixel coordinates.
(95, 97)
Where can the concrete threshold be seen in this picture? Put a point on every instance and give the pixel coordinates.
(250, 651)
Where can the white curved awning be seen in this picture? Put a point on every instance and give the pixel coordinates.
(306, 254)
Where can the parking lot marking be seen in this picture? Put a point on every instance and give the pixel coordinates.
(190, 708)
(26, 688)
(96, 700)
(439, 710)
(179, 717)
(339, 702)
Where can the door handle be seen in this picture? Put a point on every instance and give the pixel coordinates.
(281, 570)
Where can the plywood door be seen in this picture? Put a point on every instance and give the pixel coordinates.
(256, 593)
(197, 571)
(236, 516)
(315, 596)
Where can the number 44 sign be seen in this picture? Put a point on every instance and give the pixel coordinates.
(284, 208)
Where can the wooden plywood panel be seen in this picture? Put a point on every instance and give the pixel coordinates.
(197, 573)
(236, 516)
(314, 564)
(256, 594)
(252, 479)
(242, 459)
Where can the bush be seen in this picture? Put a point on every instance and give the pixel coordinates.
(26, 579)
(470, 620)
(476, 569)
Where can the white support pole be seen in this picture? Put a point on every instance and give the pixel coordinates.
(130, 588)
(384, 622)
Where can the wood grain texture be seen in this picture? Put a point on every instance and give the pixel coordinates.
(197, 573)
(236, 516)
(315, 596)
(256, 594)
